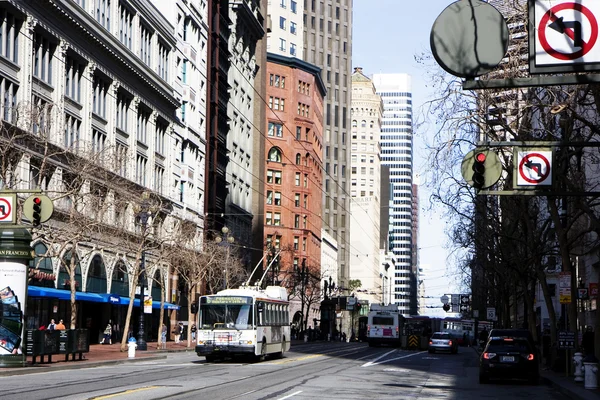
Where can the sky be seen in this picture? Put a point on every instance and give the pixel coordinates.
(387, 34)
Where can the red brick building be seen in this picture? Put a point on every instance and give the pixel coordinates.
(294, 161)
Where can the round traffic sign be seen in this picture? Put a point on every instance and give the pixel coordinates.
(444, 299)
(534, 168)
(572, 29)
(5, 209)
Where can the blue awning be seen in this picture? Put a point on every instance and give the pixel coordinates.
(37, 291)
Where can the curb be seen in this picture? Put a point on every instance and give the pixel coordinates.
(75, 365)
(562, 389)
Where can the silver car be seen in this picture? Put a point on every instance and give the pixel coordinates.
(443, 341)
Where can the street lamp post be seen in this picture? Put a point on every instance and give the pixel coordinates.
(227, 240)
(143, 215)
(303, 277)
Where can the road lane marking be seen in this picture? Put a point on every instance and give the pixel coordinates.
(287, 360)
(125, 392)
(374, 362)
(290, 395)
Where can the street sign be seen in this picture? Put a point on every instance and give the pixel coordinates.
(444, 299)
(491, 314)
(533, 167)
(564, 36)
(7, 208)
(566, 340)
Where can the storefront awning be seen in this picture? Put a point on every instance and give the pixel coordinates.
(37, 291)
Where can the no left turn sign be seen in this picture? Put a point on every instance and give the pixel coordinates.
(534, 167)
(566, 32)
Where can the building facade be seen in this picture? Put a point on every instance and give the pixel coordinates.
(365, 174)
(93, 83)
(397, 154)
(285, 36)
(328, 45)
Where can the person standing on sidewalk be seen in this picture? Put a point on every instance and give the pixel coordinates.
(60, 326)
(178, 331)
(193, 332)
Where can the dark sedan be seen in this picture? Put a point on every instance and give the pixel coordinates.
(509, 358)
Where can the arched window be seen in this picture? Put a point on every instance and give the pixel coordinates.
(306, 159)
(363, 123)
(298, 159)
(64, 281)
(120, 281)
(42, 273)
(275, 154)
(96, 277)
(354, 123)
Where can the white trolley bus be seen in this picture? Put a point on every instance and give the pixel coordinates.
(247, 321)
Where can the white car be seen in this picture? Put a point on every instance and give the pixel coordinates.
(443, 341)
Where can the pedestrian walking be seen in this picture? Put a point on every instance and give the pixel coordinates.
(178, 331)
(107, 339)
(194, 332)
(60, 326)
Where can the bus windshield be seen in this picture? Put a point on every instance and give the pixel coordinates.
(226, 316)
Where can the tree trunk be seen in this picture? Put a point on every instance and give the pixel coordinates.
(161, 313)
(73, 286)
(134, 284)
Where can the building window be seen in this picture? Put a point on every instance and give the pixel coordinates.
(275, 129)
(72, 130)
(277, 219)
(305, 201)
(283, 3)
(297, 180)
(277, 198)
(275, 154)
(8, 91)
(43, 55)
(274, 176)
(163, 61)
(159, 173)
(297, 200)
(73, 75)
(145, 44)
(296, 242)
(125, 26)
(159, 140)
(282, 44)
(293, 28)
(98, 141)
(142, 124)
(122, 111)
(100, 89)
(298, 132)
(298, 159)
(122, 158)
(293, 6)
(296, 221)
(9, 36)
(269, 219)
(269, 197)
(292, 49)
(277, 81)
(41, 116)
(303, 244)
(140, 169)
(282, 23)
(103, 13)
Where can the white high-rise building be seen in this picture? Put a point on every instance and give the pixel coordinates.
(287, 28)
(396, 152)
(365, 187)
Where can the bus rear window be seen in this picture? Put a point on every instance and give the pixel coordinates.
(383, 321)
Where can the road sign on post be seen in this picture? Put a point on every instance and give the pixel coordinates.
(491, 314)
(533, 167)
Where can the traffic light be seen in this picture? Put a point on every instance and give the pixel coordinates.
(37, 211)
(446, 307)
(479, 170)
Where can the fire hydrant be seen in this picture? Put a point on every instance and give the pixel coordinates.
(578, 364)
(131, 346)
(590, 367)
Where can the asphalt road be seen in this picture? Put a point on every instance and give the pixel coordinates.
(339, 371)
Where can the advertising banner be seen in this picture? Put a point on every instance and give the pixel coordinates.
(564, 287)
(13, 288)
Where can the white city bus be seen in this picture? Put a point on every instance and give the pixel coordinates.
(246, 321)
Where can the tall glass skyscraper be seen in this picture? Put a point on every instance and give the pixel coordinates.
(396, 153)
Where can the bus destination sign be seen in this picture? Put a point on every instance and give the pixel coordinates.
(227, 300)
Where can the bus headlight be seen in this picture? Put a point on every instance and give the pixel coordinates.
(201, 342)
(246, 342)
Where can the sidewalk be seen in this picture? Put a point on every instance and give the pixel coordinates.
(98, 355)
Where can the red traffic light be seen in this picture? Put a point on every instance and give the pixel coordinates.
(480, 157)
(37, 200)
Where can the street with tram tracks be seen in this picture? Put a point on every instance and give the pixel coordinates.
(318, 370)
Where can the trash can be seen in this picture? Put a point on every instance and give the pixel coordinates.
(590, 367)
